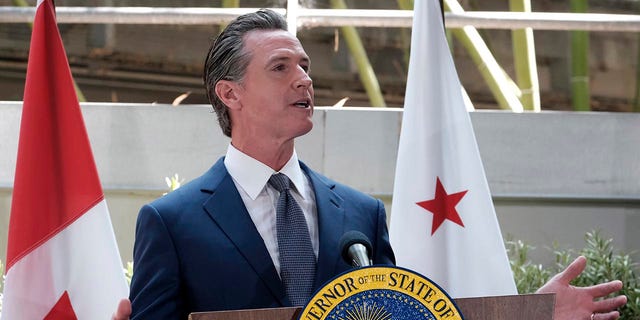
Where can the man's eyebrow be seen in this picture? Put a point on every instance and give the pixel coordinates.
(279, 58)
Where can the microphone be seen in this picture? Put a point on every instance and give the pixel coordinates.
(356, 248)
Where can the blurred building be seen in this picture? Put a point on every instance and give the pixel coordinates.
(157, 63)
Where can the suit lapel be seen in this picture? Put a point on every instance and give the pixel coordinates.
(226, 208)
(330, 225)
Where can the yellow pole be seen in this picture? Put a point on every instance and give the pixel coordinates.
(367, 75)
(502, 87)
(524, 58)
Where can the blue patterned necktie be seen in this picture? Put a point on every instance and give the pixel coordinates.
(297, 260)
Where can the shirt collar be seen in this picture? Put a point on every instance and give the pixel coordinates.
(252, 175)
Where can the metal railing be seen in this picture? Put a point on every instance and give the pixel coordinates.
(309, 18)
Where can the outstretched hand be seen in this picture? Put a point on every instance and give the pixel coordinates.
(124, 310)
(583, 302)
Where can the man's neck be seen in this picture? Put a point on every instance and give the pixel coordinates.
(275, 156)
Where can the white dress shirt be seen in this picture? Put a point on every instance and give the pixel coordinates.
(251, 176)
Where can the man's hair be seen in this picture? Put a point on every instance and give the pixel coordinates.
(228, 60)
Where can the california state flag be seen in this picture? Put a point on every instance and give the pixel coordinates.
(443, 224)
(62, 257)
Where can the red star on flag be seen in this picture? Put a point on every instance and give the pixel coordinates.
(443, 206)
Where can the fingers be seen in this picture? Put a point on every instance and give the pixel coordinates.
(606, 316)
(605, 289)
(573, 270)
(607, 305)
(124, 310)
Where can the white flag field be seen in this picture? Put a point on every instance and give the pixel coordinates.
(443, 223)
(62, 257)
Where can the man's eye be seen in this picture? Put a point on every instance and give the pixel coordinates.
(305, 68)
(279, 67)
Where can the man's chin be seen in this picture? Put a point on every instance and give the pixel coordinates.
(306, 129)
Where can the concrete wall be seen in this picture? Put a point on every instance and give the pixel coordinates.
(553, 175)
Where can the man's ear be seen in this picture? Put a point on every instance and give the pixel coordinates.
(228, 92)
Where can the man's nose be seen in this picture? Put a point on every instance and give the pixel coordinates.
(303, 80)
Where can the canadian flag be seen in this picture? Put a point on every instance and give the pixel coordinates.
(62, 257)
(443, 223)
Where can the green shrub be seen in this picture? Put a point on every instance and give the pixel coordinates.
(128, 272)
(603, 264)
(528, 276)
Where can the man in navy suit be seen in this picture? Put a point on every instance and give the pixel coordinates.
(212, 244)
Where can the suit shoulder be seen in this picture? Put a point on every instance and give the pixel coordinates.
(345, 191)
(191, 194)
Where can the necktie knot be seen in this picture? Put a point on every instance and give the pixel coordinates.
(280, 182)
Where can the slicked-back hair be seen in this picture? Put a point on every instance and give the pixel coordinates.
(228, 60)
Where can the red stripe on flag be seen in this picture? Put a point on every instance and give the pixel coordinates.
(56, 179)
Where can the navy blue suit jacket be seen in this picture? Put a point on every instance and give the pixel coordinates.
(197, 249)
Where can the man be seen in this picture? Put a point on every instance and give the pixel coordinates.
(215, 243)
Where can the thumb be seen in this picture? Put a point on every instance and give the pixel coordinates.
(573, 270)
(124, 310)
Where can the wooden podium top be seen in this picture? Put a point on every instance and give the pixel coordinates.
(521, 307)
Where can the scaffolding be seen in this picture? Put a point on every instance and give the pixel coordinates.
(310, 18)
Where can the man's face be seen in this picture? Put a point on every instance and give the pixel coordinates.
(276, 92)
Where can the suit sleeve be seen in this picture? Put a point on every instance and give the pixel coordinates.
(155, 286)
(383, 254)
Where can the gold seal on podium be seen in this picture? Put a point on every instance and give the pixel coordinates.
(380, 293)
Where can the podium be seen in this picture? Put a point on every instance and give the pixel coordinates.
(521, 307)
